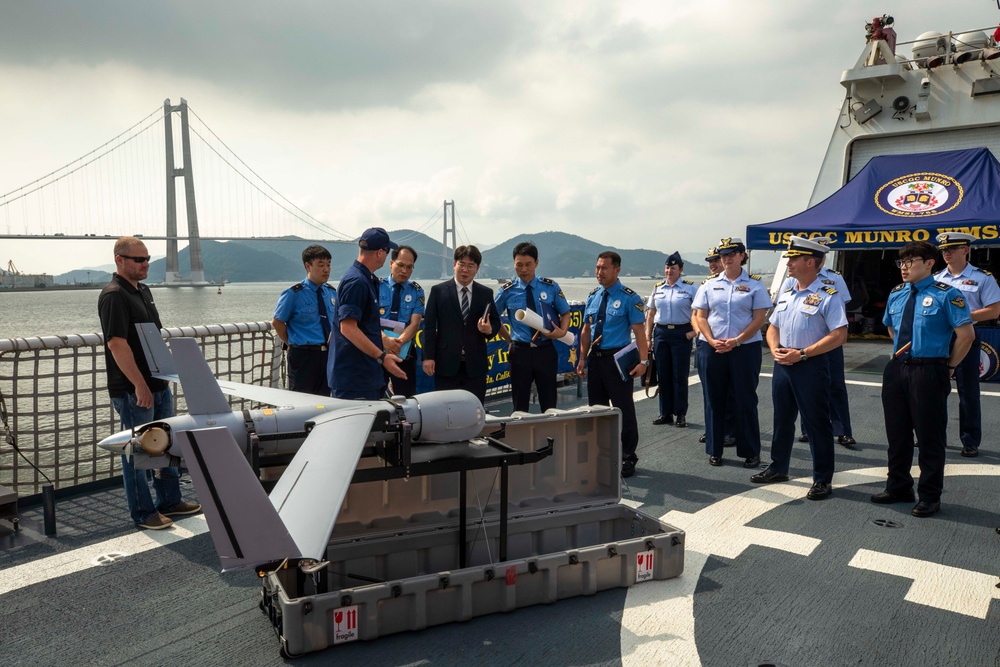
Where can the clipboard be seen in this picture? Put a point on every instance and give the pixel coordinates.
(626, 359)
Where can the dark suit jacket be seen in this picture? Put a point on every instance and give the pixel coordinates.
(445, 335)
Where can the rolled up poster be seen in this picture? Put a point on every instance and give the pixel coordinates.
(534, 320)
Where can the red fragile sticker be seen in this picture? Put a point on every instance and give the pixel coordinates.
(511, 575)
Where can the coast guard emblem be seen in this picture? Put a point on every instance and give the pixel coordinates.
(920, 194)
(813, 300)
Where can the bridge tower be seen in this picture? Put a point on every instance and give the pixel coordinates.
(197, 275)
(446, 271)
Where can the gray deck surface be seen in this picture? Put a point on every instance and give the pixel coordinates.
(767, 603)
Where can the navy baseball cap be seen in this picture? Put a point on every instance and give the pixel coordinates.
(376, 238)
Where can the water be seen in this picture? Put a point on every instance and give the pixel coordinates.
(60, 312)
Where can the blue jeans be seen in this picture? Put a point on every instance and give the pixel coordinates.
(166, 481)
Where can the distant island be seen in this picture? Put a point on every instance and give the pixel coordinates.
(561, 256)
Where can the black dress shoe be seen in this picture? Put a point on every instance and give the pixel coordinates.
(661, 420)
(886, 498)
(715, 460)
(628, 468)
(682, 422)
(819, 491)
(769, 477)
(846, 440)
(924, 508)
(969, 452)
(703, 438)
(803, 437)
(752, 462)
(729, 441)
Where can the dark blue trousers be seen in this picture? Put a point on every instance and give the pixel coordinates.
(840, 411)
(605, 385)
(738, 369)
(970, 419)
(803, 388)
(672, 350)
(702, 350)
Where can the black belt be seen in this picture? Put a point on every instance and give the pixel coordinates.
(598, 352)
(921, 361)
(314, 348)
(685, 325)
(517, 343)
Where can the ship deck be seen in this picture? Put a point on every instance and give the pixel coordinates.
(769, 578)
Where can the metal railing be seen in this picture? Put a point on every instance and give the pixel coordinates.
(55, 407)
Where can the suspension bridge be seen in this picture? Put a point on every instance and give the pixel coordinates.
(128, 186)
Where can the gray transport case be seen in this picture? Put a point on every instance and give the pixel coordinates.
(395, 561)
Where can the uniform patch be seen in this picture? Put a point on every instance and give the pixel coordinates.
(617, 303)
(942, 286)
(741, 288)
(928, 301)
(985, 271)
(660, 284)
(687, 282)
(547, 281)
(898, 287)
(640, 307)
(970, 282)
(595, 290)
(381, 311)
(415, 284)
(628, 290)
(958, 302)
(813, 300)
(297, 286)
(421, 300)
(827, 281)
(507, 285)
(543, 296)
(756, 276)
(409, 298)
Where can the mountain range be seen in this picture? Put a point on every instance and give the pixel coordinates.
(561, 255)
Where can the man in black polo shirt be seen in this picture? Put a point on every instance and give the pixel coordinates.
(138, 397)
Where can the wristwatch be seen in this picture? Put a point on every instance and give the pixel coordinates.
(644, 362)
(381, 358)
(804, 355)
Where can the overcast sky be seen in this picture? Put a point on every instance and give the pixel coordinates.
(659, 124)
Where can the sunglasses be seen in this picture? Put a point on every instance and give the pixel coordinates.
(137, 260)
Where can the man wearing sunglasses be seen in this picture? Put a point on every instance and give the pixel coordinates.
(921, 314)
(138, 397)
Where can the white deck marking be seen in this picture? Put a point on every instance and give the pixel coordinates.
(949, 588)
(658, 619)
(84, 558)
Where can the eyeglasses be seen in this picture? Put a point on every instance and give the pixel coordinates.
(907, 263)
(137, 260)
(467, 267)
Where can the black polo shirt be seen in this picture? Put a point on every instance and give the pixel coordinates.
(121, 307)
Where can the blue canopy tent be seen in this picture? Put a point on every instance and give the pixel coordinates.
(896, 199)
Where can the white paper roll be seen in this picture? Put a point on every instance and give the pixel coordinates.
(534, 320)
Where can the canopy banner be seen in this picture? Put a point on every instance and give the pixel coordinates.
(896, 199)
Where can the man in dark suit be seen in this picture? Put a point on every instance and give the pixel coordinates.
(460, 317)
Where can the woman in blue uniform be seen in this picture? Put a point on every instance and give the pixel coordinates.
(669, 333)
(730, 312)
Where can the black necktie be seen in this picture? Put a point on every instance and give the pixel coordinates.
(324, 321)
(599, 325)
(903, 347)
(465, 304)
(529, 297)
(397, 289)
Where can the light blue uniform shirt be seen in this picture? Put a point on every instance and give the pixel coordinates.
(624, 309)
(298, 309)
(979, 287)
(512, 297)
(827, 277)
(806, 316)
(672, 303)
(938, 311)
(411, 300)
(730, 304)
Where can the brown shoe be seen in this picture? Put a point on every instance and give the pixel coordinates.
(156, 522)
(183, 507)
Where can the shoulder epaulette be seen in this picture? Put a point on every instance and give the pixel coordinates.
(756, 276)
(415, 284)
(330, 286)
(942, 286)
(829, 290)
(835, 271)
(986, 272)
(507, 285)
(660, 284)
(547, 281)
(628, 290)
(788, 290)
(296, 287)
(595, 290)
(688, 282)
(898, 287)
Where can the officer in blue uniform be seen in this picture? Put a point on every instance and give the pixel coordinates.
(533, 356)
(923, 315)
(839, 407)
(612, 316)
(701, 351)
(983, 298)
(808, 322)
(402, 300)
(302, 320)
(731, 309)
(669, 332)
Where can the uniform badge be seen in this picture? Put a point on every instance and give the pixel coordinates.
(959, 302)
(741, 288)
(928, 301)
(813, 300)
(970, 282)
(827, 281)
(381, 311)
(409, 298)
(617, 304)
(543, 296)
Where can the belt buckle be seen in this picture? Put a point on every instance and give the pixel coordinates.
(671, 326)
